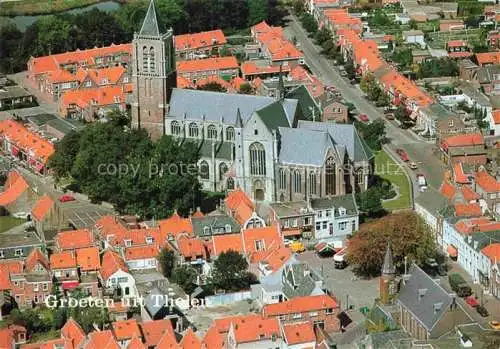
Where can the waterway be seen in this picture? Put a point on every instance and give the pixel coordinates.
(22, 22)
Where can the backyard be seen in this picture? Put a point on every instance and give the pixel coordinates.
(8, 222)
(388, 169)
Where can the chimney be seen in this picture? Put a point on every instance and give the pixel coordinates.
(437, 307)
(421, 293)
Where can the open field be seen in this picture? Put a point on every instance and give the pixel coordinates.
(38, 7)
(438, 39)
(390, 170)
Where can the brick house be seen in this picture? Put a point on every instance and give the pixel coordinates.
(335, 112)
(65, 269)
(464, 148)
(320, 310)
(488, 188)
(89, 264)
(199, 45)
(74, 239)
(225, 68)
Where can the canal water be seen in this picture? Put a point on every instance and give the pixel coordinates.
(22, 22)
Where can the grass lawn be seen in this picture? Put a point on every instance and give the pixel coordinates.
(390, 170)
(7, 222)
(38, 7)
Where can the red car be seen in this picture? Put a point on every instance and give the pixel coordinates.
(472, 301)
(66, 198)
(364, 118)
(402, 154)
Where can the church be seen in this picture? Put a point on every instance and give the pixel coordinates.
(270, 147)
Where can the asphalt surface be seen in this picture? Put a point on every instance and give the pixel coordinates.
(419, 150)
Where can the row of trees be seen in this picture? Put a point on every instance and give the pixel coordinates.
(68, 32)
(229, 272)
(109, 162)
(438, 67)
(373, 91)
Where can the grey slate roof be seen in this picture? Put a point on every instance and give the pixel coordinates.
(214, 106)
(346, 201)
(305, 147)
(343, 134)
(9, 92)
(222, 149)
(150, 24)
(423, 307)
(307, 104)
(216, 225)
(274, 116)
(299, 281)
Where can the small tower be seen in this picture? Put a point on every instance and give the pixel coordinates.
(280, 92)
(387, 289)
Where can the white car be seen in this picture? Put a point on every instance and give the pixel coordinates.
(21, 215)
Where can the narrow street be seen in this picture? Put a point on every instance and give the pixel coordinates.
(419, 150)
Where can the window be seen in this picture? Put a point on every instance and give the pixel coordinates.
(297, 182)
(297, 316)
(1, 254)
(206, 230)
(307, 220)
(227, 228)
(327, 213)
(122, 280)
(324, 225)
(222, 170)
(230, 134)
(329, 311)
(230, 183)
(35, 288)
(152, 68)
(127, 243)
(255, 132)
(353, 225)
(257, 159)
(450, 123)
(259, 245)
(330, 176)
(313, 314)
(285, 223)
(149, 240)
(88, 83)
(342, 225)
(18, 252)
(318, 225)
(294, 223)
(193, 130)
(212, 132)
(312, 183)
(145, 59)
(175, 128)
(282, 179)
(204, 170)
(45, 286)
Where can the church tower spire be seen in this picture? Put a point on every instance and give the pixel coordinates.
(153, 74)
(388, 268)
(387, 285)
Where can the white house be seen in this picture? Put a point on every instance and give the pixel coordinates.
(335, 218)
(414, 37)
(115, 275)
(142, 257)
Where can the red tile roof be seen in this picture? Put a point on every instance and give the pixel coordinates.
(154, 330)
(277, 258)
(42, 207)
(191, 247)
(460, 176)
(225, 242)
(101, 340)
(207, 64)
(299, 333)
(72, 331)
(496, 116)
(472, 225)
(7, 268)
(456, 43)
(99, 96)
(73, 239)
(300, 305)
(199, 40)
(468, 210)
(487, 182)
(469, 194)
(135, 343)
(239, 205)
(251, 68)
(267, 237)
(31, 142)
(141, 252)
(492, 252)
(63, 260)
(252, 328)
(111, 263)
(167, 341)
(448, 190)
(175, 225)
(465, 140)
(190, 340)
(88, 259)
(36, 257)
(488, 58)
(14, 187)
(126, 329)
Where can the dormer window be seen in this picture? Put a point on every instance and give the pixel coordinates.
(227, 228)
(127, 242)
(206, 230)
(342, 211)
(149, 240)
(259, 245)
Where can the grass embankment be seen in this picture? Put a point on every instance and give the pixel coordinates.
(43, 7)
(8, 222)
(388, 169)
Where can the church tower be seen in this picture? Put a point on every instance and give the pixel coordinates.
(153, 75)
(387, 282)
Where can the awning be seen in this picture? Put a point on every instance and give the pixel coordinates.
(15, 150)
(39, 167)
(396, 101)
(69, 285)
(292, 232)
(452, 251)
(32, 162)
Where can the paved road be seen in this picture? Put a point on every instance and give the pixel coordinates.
(418, 149)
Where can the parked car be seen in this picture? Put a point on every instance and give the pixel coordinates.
(364, 118)
(402, 154)
(21, 215)
(482, 311)
(472, 301)
(297, 246)
(494, 325)
(459, 285)
(413, 165)
(66, 198)
(389, 116)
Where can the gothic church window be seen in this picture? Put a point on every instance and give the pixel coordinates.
(297, 181)
(330, 176)
(193, 130)
(175, 128)
(312, 183)
(204, 170)
(222, 170)
(283, 178)
(230, 183)
(212, 132)
(230, 134)
(152, 67)
(145, 59)
(257, 159)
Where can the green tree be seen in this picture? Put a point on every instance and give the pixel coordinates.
(246, 89)
(63, 159)
(230, 272)
(403, 115)
(403, 57)
(212, 86)
(309, 23)
(88, 316)
(10, 38)
(185, 276)
(298, 7)
(55, 35)
(322, 35)
(373, 134)
(369, 202)
(409, 236)
(349, 68)
(167, 261)
(438, 67)
(257, 11)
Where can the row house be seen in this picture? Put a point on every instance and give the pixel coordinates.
(115, 277)
(251, 70)
(199, 45)
(274, 46)
(17, 196)
(103, 57)
(458, 49)
(464, 149)
(23, 144)
(321, 310)
(14, 97)
(488, 188)
(27, 282)
(94, 103)
(225, 68)
(74, 239)
(338, 19)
